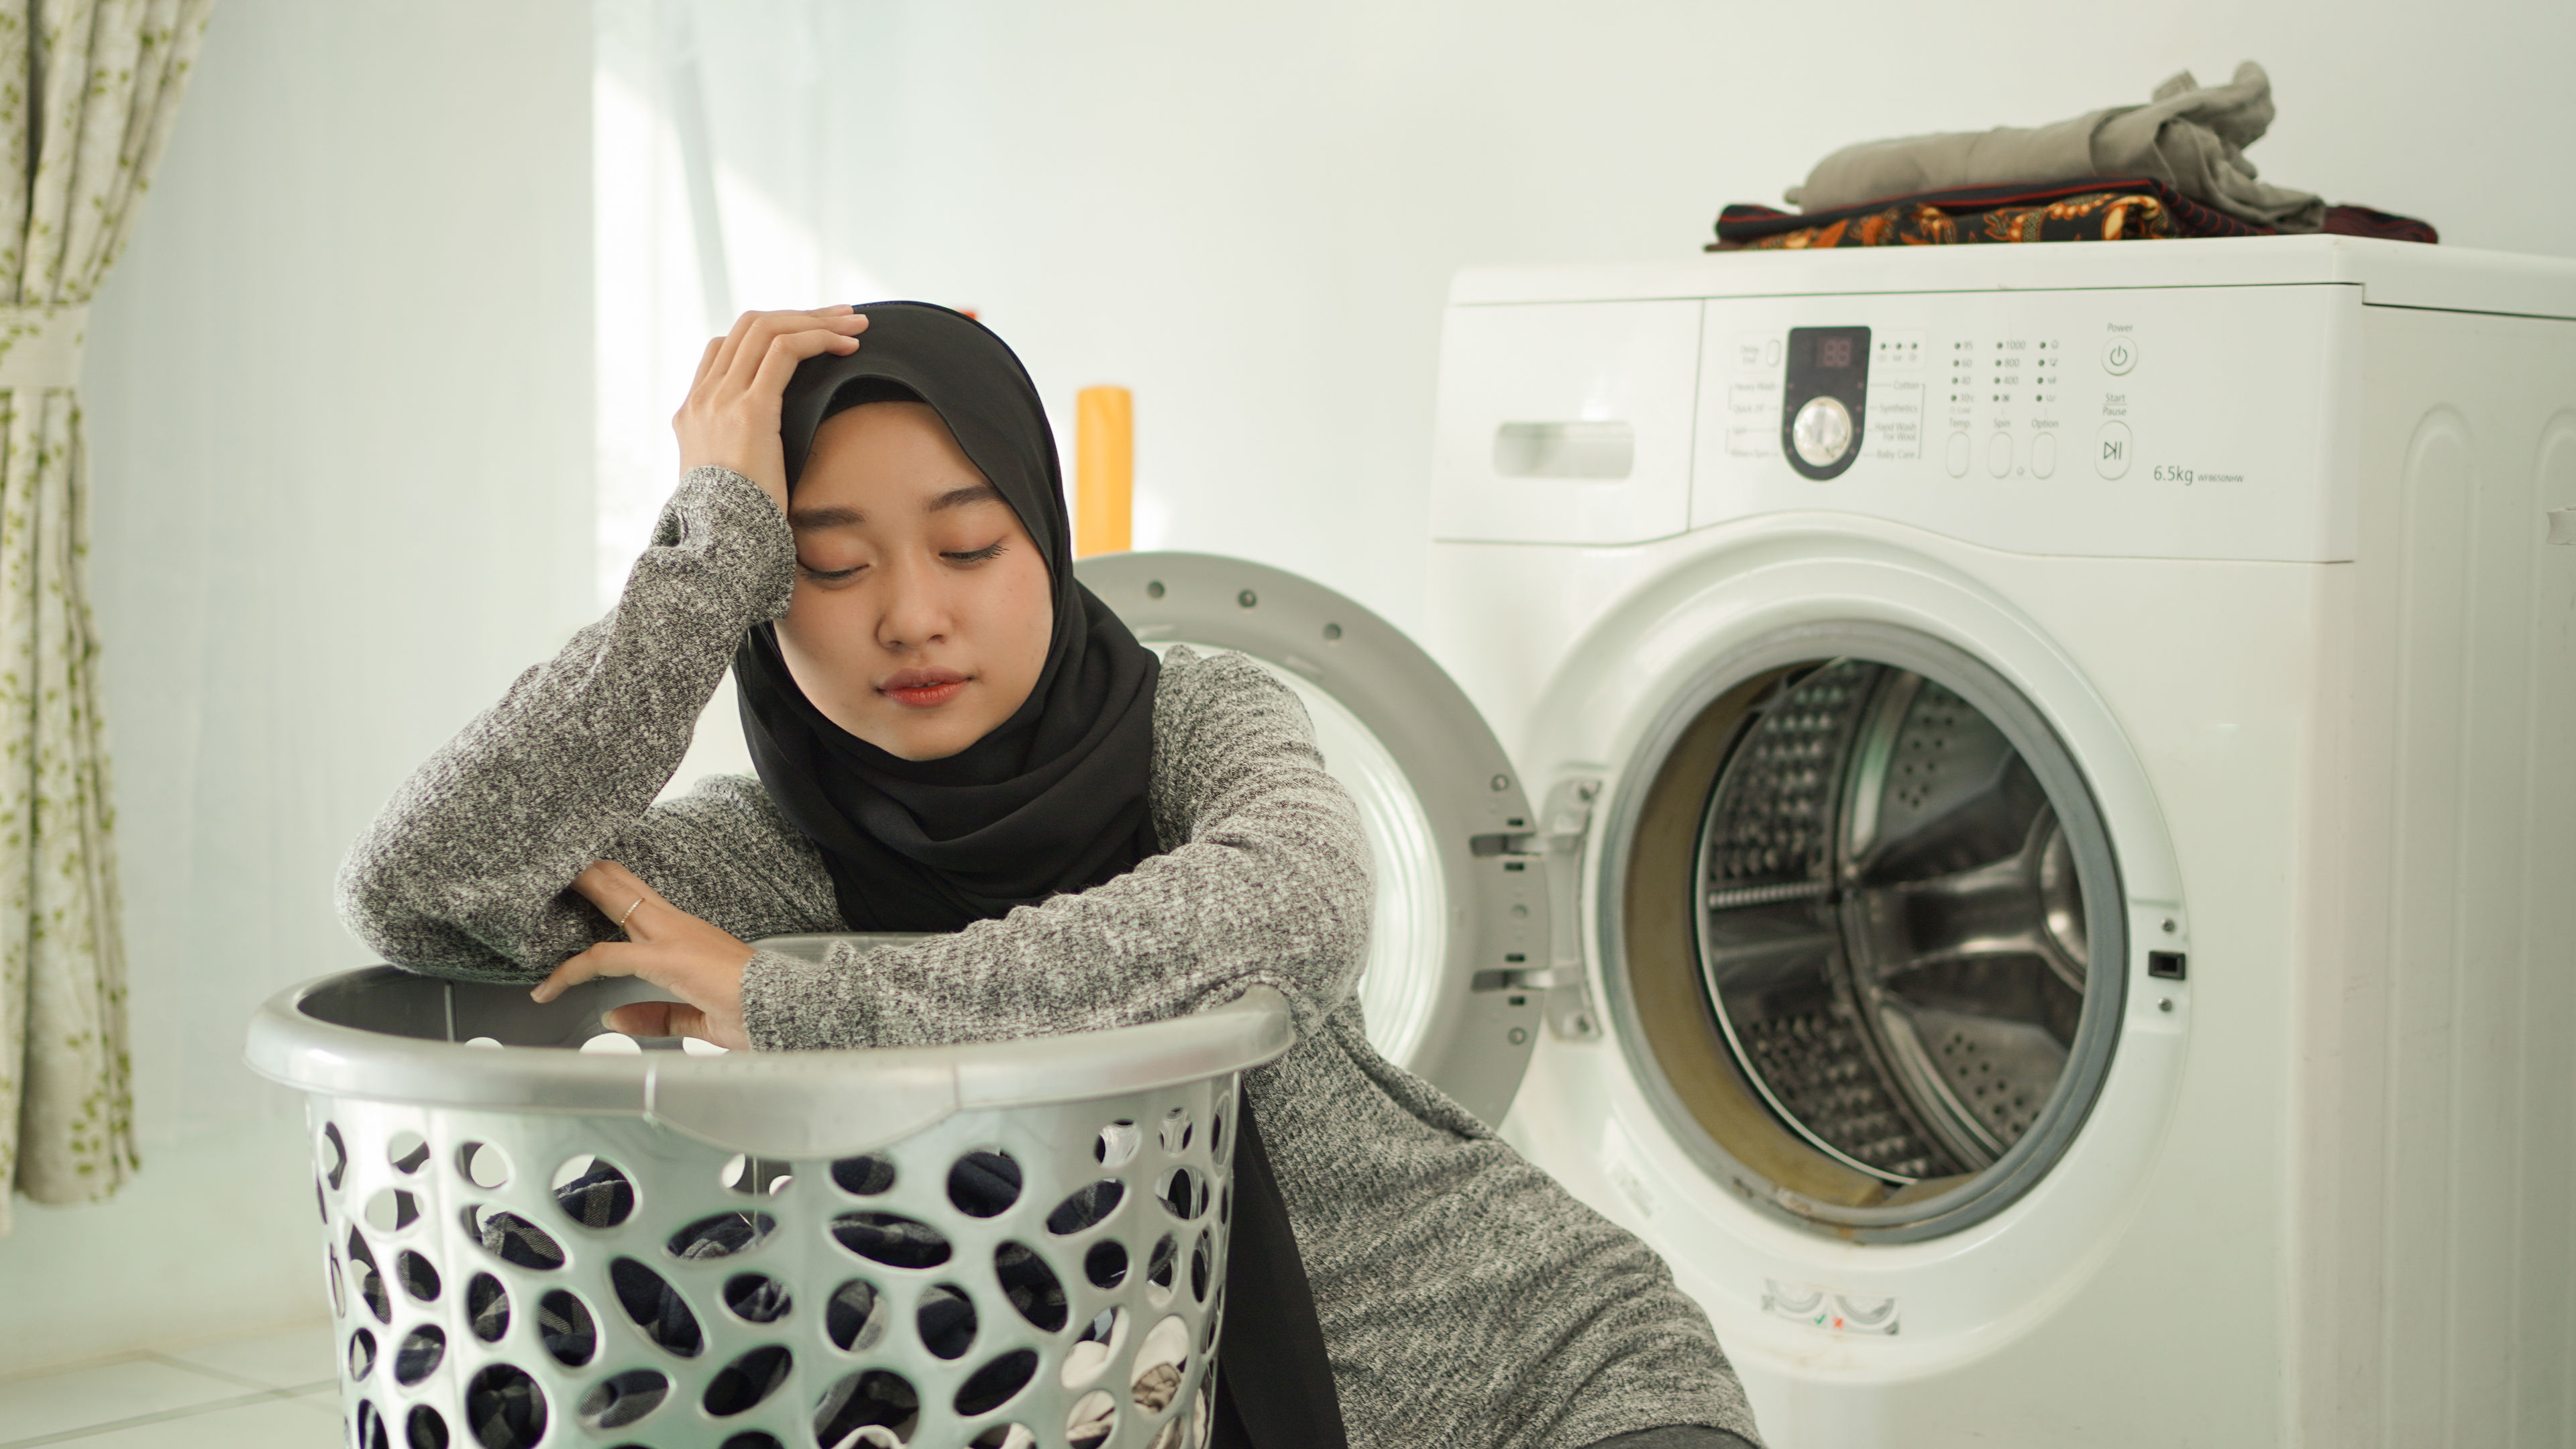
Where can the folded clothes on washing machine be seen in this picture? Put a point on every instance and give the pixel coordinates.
(2089, 208)
(2189, 136)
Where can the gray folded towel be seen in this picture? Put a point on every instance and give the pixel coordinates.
(2190, 137)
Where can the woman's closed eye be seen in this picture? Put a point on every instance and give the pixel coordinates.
(966, 557)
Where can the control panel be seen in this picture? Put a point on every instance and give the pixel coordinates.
(2151, 422)
(2167, 422)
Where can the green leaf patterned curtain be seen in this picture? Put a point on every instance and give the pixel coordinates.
(87, 92)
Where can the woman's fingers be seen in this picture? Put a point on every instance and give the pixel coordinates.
(605, 880)
(747, 365)
(753, 347)
(608, 958)
(768, 386)
(706, 363)
(730, 418)
(752, 333)
(617, 892)
(695, 960)
(674, 1018)
(752, 330)
(659, 1018)
(731, 342)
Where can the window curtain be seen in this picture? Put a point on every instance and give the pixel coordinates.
(87, 92)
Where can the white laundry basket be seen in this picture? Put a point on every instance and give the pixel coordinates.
(555, 1244)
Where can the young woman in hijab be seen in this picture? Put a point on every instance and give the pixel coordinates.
(954, 736)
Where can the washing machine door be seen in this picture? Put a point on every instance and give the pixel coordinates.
(1458, 972)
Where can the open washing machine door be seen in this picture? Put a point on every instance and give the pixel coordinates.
(1460, 973)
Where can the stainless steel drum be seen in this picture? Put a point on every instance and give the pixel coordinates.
(1871, 933)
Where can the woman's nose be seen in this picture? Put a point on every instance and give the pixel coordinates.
(915, 612)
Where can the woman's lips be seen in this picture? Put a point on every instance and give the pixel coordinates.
(922, 688)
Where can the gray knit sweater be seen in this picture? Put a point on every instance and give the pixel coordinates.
(1466, 1299)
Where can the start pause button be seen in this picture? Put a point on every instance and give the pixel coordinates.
(2111, 450)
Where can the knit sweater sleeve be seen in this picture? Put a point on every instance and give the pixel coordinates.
(1265, 882)
(467, 870)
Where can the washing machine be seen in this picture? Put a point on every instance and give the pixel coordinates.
(2006, 808)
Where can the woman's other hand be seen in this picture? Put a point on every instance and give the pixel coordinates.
(667, 946)
(731, 417)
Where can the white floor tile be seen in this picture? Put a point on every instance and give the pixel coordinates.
(290, 1359)
(322, 1399)
(268, 1424)
(77, 1398)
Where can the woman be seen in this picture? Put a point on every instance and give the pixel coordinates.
(954, 736)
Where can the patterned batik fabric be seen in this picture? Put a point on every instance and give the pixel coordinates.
(2094, 209)
(2100, 216)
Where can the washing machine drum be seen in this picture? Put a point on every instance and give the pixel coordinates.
(1888, 991)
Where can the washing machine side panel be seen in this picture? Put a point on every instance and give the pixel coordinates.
(2436, 1262)
(2211, 671)
(1504, 619)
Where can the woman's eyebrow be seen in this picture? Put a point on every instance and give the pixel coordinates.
(960, 497)
(823, 517)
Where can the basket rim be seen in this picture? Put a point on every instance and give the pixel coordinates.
(779, 1104)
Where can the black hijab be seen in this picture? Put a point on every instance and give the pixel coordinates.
(1052, 800)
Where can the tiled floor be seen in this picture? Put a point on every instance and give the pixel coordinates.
(275, 1391)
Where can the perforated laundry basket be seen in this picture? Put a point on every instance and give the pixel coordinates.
(548, 1243)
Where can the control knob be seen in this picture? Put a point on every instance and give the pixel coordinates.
(1821, 431)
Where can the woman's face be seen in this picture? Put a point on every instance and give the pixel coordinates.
(923, 609)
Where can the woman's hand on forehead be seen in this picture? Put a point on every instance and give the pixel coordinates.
(699, 963)
(730, 419)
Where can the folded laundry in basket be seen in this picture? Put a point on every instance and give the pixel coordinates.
(2089, 208)
(983, 1184)
(502, 1409)
(516, 1241)
(2189, 136)
(656, 1307)
(599, 1198)
(567, 1333)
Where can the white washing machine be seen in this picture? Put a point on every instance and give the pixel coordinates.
(2043, 885)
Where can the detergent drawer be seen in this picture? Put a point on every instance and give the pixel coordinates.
(1565, 422)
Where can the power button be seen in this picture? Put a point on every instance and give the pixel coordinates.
(2119, 355)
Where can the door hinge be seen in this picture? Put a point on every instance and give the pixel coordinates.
(1564, 825)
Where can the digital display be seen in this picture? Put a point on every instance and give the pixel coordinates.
(1833, 351)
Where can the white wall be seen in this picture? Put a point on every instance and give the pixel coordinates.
(1250, 213)
(339, 400)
